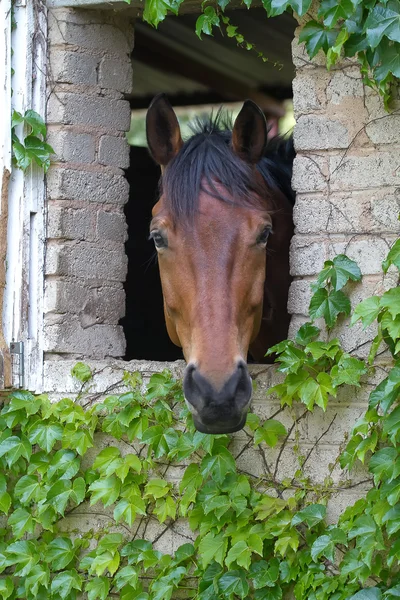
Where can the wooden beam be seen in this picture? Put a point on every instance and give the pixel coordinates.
(165, 58)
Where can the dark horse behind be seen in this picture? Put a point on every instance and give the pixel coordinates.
(222, 228)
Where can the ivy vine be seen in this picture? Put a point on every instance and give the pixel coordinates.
(366, 29)
(255, 537)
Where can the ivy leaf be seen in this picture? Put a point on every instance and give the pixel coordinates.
(128, 509)
(269, 593)
(362, 526)
(66, 581)
(157, 488)
(22, 554)
(384, 465)
(98, 588)
(36, 122)
(316, 36)
(383, 20)
(126, 576)
(391, 301)
(77, 439)
(64, 464)
(107, 490)
(389, 59)
(391, 425)
(218, 465)
(306, 334)
(387, 391)
(264, 574)
(269, 433)
(27, 489)
(45, 435)
(5, 502)
(393, 258)
(239, 553)
(323, 546)
(207, 21)
(20, 399)
(6, 587)
(332, 11)
(59, 553)
(21, 522)
(108, 461)
(311, 515)
(277, 7)
(367, 311)
(78, 490)
(16, 119)
(234, 582)
(82, 372)
(371, 593)
(59, 494)
(348, 370)
(329, 305)
(213, 547)
(14, 447)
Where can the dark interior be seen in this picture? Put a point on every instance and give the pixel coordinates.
(192, 72)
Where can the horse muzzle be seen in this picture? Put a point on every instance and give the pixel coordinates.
(218, 411)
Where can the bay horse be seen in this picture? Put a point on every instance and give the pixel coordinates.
(222, 228)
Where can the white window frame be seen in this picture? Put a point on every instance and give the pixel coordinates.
(23, 294)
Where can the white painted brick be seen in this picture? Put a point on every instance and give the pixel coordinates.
(70, 223)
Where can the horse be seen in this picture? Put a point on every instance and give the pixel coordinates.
(222, 228)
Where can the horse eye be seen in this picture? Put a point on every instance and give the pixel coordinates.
(263, 237)
(159, 240)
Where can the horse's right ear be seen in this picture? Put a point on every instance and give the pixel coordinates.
(249, 134)
(163, 132)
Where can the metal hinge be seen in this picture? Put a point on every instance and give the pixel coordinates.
(17, 360)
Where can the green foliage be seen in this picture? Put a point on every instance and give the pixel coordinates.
(367, 29)
(250, 543)
(32, 147)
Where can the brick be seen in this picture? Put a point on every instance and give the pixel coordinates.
(114, 151)
(365, 171)
(305, 93)
(80, 109)
(87, 261)
(70, 223)
(73, 67)
(346, 83)
(385, 131)
(111, 226)
(86, 29)
(90, 186)
(98, 341)
(313, 132)
(65, 296)
(368, 253)
(72, 146)
(309, 174)
(116, 74)
(299, 297)
(306, 256)
(110, 304)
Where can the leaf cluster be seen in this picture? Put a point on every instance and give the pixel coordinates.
(32, 148)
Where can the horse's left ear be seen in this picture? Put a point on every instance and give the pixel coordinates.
(249, 135)
(162, 130)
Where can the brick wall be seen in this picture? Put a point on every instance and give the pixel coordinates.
(90, 72)
(347, 178)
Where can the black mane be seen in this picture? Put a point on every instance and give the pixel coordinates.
(206, 157)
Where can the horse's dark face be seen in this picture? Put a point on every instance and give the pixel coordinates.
(212, 272)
